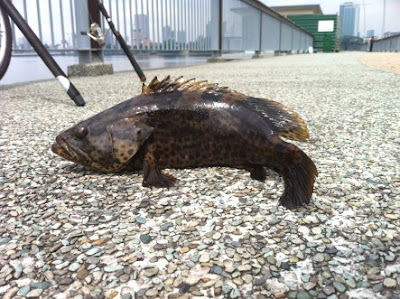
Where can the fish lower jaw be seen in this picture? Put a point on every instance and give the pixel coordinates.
(60, 150)
(55, 148)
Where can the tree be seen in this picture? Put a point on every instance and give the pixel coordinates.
(351, 43)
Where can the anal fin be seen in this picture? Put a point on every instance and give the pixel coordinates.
(257, 172)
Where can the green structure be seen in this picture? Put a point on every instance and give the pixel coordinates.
(324, 29)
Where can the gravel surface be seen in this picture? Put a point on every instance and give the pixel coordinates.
(69, 232)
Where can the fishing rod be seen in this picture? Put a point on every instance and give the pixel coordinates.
(43, 53)
(122, 42)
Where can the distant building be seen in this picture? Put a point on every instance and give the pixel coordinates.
(349, 13)
(313, 9)
(168, 33)
(182, 37)
(387, 34)
(324, 28)
(23, 43)
(370, 33)
(109, 41)
(140, 32)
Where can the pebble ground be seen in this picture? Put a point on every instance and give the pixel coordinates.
(68, 232)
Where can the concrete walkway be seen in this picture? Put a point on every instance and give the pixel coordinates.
(70, 232)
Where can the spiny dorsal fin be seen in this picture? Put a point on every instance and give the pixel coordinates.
(179, 84)
(284, 121)
(146, 89)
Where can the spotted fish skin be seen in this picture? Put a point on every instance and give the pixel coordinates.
(184, 125)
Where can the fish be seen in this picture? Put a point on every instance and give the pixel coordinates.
(180, 124)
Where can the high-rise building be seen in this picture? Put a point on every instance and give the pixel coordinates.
(349, 13)
(181, 36)
(389, 33)
(168, 33)
(23, 43)
(141, 30)
(370, 33)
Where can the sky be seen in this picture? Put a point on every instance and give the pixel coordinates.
(373, 12)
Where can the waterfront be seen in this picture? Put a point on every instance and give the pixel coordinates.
(32, 68)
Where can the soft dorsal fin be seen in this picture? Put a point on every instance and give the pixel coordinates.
(284, 121)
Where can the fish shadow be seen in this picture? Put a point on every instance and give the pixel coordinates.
(79, 169)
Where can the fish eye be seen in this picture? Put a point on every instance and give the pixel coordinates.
(81, 132)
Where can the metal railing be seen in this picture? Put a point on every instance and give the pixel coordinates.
(250, 25)
(386, 44)
(167, 25)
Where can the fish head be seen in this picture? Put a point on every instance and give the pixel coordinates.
(105, 147)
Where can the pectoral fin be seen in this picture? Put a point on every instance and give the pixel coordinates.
(152, 175)
(127, 135)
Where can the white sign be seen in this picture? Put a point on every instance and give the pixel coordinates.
(326, 26)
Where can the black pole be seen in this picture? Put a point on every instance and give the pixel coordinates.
(74, 94)
(122, 42)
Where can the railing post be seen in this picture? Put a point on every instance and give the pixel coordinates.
(94, 16)
(261, 31)
(220, 24)
(89, 52)
(215, 28)
(280, 36)
(291, 39)
(257, 53)
(82, 26)
(51, 25)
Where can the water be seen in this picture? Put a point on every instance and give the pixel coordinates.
(31, 68)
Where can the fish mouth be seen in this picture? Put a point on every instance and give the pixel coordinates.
(68, 151)
(61, 148)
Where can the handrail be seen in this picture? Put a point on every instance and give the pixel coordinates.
(273, 13)
(185, 26)
(385, 44)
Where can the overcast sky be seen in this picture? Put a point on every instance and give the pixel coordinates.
(373, 12)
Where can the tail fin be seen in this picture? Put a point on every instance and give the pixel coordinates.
(298, 172)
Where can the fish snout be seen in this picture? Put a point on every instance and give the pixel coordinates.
(60, 147)
(55, 148)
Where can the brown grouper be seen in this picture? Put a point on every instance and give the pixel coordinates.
(187, 124)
